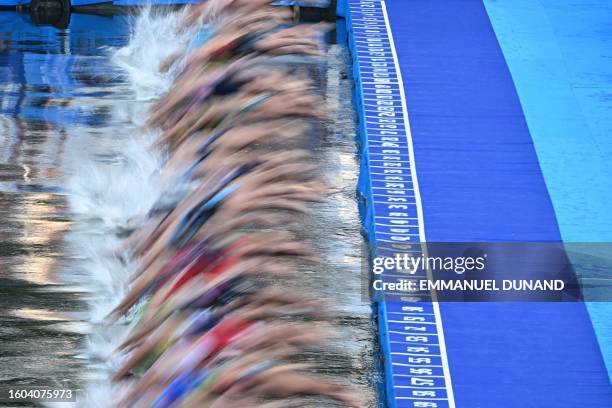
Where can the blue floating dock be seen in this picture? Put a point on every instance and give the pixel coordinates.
(449, 155)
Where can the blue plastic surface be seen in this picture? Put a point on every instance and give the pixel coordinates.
(414, 360)
(480, 180)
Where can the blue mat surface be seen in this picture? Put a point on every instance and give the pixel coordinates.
(479, 179)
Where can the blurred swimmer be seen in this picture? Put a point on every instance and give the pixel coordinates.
(206, 327)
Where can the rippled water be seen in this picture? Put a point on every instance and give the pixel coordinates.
(74, 168)
(58, 93)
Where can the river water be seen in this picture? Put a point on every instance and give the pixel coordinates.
(74, 167)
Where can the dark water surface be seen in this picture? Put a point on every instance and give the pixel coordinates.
(63, 102)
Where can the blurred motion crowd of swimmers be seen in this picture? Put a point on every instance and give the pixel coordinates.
(211, 322)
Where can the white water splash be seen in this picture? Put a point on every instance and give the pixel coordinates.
(155, 38)
(105, 193)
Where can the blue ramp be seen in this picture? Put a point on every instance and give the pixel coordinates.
(471, 174)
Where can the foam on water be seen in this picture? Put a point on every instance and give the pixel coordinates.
(154, 38)
(108, 188)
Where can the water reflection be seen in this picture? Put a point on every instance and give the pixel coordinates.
(53, 86)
